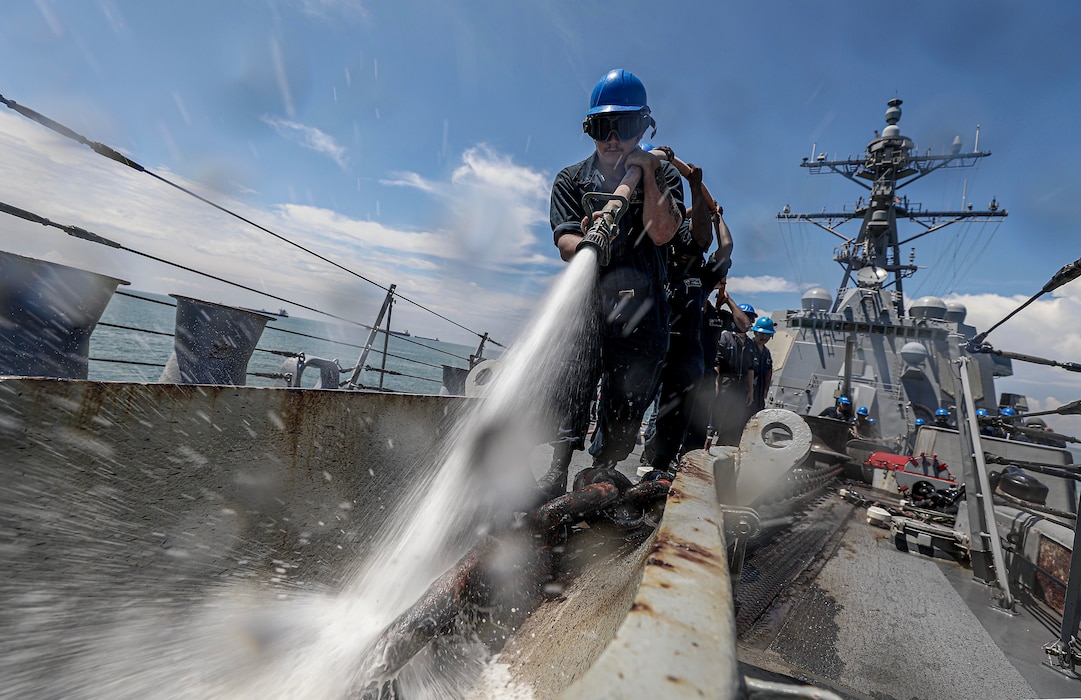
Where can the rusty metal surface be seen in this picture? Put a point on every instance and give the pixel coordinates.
(563, 637)
(158, 494)
(678, 639)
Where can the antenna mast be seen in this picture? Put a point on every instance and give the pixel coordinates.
(888, 164)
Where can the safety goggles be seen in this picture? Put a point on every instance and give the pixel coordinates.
(627, 125)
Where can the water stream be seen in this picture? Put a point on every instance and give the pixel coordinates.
(247, 639)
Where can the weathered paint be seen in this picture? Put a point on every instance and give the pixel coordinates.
(115, 496)
(159, 493)
(678, 639)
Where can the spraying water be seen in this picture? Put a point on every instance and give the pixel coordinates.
(244, 636)
(483, 465)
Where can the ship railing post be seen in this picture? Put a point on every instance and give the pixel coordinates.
(978, 493)
(386, 344)
(476, 357)
(353, 379)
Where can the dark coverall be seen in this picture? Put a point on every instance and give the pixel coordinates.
(763, 370)
(627, 336)
(714, 321)
(690, 278)
(735, 358)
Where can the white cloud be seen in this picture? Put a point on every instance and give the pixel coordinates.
(67, 183)
(308, 137)
(332, 9)
(760, 285)
(407, 179)
(1048, 329)
(492, 206)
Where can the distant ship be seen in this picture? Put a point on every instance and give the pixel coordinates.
(403, 334)
(280, 312)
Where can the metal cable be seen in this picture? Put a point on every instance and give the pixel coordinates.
(112, 154)
(298, 333)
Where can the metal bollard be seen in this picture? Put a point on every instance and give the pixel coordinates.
(47, 313)
(212, 343)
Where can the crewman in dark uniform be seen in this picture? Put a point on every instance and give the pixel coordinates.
(629, 329)
(842, 410)
(735, 386)
(689, 277)
(763, 330)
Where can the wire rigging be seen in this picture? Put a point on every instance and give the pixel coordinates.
(305, 335)
(112, 154)
(93, 237)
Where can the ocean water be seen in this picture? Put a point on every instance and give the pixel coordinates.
(418, 360)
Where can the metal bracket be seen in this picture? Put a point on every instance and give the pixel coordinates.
(1063, 658)
(741, 525)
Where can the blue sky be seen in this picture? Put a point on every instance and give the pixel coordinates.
(415, 142)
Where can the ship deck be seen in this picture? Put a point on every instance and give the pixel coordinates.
(831, 602)
(866, 620)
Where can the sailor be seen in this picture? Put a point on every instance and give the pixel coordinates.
(763, 330)
(1011, 422)
(628, 335)
(861, 425)
(1004, 426)
(689, 277)
(735, 383)
(984, 419)
(942, 418)
(910, 446)
(722, 315)
(841, 410)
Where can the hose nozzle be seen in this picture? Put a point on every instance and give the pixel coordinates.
(599, 238)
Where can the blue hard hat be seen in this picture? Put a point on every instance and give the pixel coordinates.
(844, 400)
(862, 411)
(1007, 411)
(872, 421)
(920, 421)
(645, 145)
(763, 325)
(942, 412)
(618, 91)
(747, 309)
(981, 411)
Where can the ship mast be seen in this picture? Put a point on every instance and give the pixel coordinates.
(889, 164)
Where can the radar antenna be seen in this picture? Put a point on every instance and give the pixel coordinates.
(889, 163)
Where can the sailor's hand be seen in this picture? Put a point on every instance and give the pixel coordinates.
(646, 160)
(587, 222)
(694, 175)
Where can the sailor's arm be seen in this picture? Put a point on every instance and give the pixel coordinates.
(568, 244)
(702, 202)
(743, 322)
(566, 216)
(662, 210)
(723, 254)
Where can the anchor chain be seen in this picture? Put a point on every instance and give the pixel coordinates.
(599, 494)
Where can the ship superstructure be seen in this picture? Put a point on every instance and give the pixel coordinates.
(862, 342)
